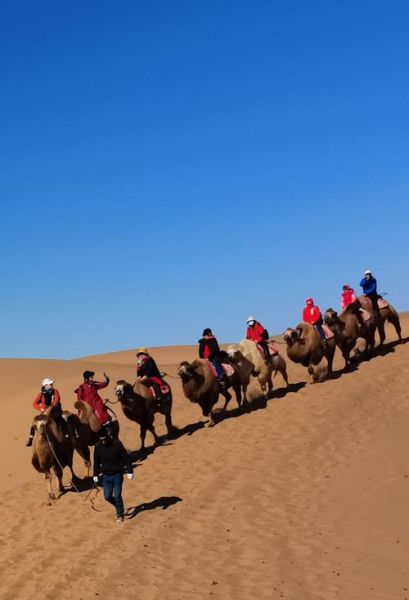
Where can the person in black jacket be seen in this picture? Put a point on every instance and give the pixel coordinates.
(209, 349)
(111, 460)
(147, 371)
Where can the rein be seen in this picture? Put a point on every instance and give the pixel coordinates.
(94, 486)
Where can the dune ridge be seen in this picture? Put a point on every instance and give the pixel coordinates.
(303, 498)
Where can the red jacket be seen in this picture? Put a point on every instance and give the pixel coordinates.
(40, 401)
(88, 392)
(257, 333)
(311, 314)
(347, 297)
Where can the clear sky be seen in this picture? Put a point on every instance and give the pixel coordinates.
(170, 166)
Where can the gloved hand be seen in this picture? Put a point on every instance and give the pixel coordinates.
(95, 478)
(129, 475)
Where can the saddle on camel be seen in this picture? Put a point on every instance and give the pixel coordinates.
(147, 372)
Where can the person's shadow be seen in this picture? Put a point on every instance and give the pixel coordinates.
(163, 502)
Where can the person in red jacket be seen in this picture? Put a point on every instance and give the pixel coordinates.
(49, 396)
(312, 314)
(209, 349)
(348, 296)
(88, 392)
(258, 334)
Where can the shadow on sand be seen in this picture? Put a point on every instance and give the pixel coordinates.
(257, 404)
(163, 502)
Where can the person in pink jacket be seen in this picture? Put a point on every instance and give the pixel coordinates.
(348, 296)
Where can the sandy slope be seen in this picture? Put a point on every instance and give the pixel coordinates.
(305, 498)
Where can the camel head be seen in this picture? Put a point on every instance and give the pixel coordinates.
(291, 336)
(122, 389)
(330, 317)
(40, 423)
(186, 371)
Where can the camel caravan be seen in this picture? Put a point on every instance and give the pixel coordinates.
(55, 434)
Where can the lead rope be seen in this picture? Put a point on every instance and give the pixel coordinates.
(94, 486)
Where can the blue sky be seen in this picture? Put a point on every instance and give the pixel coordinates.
(170, 166)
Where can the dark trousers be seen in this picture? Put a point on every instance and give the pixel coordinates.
(374, 299)
(112, 485)
(218, 366)
(320, 330)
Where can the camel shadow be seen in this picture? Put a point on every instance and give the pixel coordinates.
(165, 440)
(163, 502)
(258, 403)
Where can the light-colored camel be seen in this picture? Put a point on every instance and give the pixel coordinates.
(304, 346)
(387, 313)
(347, 328)
(51, 450)
(202, 387)
(247, 368)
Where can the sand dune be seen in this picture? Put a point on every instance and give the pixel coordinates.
(303, 498)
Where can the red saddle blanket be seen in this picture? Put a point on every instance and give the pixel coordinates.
(228, 369)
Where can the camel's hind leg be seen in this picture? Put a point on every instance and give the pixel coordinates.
(59, 473)
(48, 478)
(84, 452)
(394, 319)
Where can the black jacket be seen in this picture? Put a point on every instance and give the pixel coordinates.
(208, 348)
(148, 368)
(112, 458)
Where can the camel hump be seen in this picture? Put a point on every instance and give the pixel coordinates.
(87, 415)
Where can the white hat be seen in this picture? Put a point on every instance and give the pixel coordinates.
(250, 319)
(368, 273)
(47, 381)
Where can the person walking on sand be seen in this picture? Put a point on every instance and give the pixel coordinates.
(111, 460)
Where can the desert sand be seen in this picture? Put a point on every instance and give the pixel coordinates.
(305, 497)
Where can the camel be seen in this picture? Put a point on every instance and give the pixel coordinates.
(347, 328)
(387, 313)
(201, 386)
(138, 404)
(87, 427)
(51, 450)
(247, 368)
(304, 346)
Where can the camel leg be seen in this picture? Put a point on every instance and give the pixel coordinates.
(311, 374)
(284, 375)
(381, 331)
(151, 428)
(58, 472)
(396, 323)
(237, 391)
(227, 397)
(47, 476)
(84, 452)
(244, 393)
(168, 421)
(143, 436)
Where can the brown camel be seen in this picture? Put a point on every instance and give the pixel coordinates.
(138, 404)
(386, 313)
(347, 328)
(51, 450)
(202, 387)
(304, 346)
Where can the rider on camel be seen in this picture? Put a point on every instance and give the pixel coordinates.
(368, 285)
(348, 296)
(147, 371)
(209, 350)
(312, 314)
(49, 396)
(88, 392)
(258, 334)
